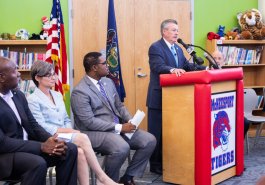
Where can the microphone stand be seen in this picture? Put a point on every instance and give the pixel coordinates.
(215, 65)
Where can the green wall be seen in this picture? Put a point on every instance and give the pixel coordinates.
(209, 14)
(16, 14)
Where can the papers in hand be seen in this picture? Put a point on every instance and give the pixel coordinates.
(67, 137)
(136, 120)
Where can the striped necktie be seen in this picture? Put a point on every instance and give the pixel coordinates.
(173, 51)
(104, 94)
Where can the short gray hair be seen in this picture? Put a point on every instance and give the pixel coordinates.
(41, 69)
(165, 23)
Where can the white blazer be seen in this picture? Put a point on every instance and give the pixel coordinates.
(49, 116)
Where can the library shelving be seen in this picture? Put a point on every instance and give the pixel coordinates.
(254, 74)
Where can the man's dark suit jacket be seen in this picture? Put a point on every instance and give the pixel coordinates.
(161, 61)
(11, 133)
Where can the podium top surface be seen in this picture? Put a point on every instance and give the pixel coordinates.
(202, 77)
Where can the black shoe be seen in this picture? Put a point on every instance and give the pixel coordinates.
(156, 170)
(130, 182)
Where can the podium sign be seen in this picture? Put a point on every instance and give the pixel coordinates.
(202, 126)
(223, 121)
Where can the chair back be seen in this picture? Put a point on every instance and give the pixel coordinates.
(250, 101)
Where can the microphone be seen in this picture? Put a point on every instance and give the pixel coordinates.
(212, 61)
(191, 52)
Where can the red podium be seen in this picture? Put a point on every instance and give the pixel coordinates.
(202, 126)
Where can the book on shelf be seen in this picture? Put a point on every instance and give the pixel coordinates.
(240, 56)
(258, 54)
(26, 86)
(22, 59)
(249, 57)
(260, 101)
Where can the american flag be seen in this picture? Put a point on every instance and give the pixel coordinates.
(56, 48)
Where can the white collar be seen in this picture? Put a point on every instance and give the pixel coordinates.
(7, 95)
(168, 44)
(94, 81)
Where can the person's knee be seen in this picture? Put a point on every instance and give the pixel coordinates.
(148, 141)
(81, 155)
(122, 149)
(71, 150)
(151, 140)
(41, 165)
(82, 140)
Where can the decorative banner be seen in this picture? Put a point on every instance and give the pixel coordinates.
(223, 125)
(113, 55)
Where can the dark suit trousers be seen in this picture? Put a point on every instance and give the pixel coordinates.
(31, 169)
(155, 128)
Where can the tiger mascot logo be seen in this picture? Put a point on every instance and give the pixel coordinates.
(221, 130)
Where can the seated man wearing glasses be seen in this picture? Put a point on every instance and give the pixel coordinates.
(99, 113)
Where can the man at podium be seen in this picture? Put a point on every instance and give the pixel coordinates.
(165, 57)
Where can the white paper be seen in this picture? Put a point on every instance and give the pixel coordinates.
(136, 120)
(67, 137)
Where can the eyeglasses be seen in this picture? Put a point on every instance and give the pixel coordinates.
(103, 63)
(50, 75)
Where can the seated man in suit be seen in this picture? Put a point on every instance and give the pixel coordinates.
(219, 58)
(26, 148)
(100, 114)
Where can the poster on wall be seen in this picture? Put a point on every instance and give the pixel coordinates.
(223, 126)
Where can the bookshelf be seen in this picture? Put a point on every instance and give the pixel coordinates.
(35, 46)
(25, 47)
(254, 74)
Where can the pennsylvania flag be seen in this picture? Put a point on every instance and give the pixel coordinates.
(56, 48)
(112, 52)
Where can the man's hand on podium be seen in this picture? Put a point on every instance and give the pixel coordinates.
(177, 71)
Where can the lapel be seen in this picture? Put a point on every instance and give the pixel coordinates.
(8, 108)
(19, 106)
(96, 91)
(43, 97)
(170, 58)
(110, 95)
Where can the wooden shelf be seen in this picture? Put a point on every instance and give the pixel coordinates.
(238, 42)
(23, 42)
(244, 65)
(254, 87)
(24, 70)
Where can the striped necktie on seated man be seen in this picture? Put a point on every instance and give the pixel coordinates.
(174, 52)
(104, 94)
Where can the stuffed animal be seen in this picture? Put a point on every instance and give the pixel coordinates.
(232, 35)
(212, 35)
(251, 25)
(22, 34)
(45, 28)
(221, 31)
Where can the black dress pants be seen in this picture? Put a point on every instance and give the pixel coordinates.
(31, 169)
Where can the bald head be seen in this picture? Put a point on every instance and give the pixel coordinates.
(218, 57)
(9, 76)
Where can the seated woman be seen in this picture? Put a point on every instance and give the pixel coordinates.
(48, 108)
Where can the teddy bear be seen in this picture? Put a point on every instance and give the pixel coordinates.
(45, 28)
(231, 35)
(251, 25)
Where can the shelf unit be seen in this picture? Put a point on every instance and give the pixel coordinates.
(254, 74)
(36, 46)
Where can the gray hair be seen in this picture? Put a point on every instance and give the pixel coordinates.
(41, 69)
(165, 23)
